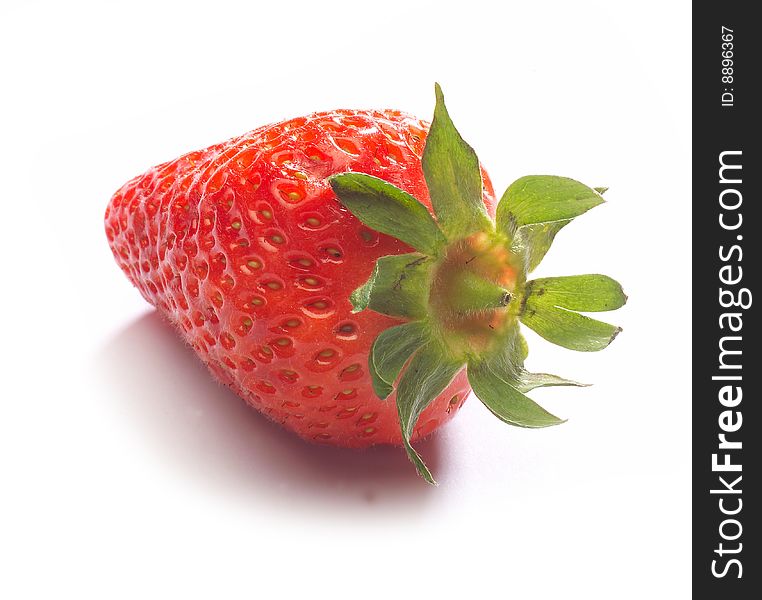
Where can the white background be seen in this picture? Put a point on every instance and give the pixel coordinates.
(128, 473)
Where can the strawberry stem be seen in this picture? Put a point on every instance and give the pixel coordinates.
(469, 292)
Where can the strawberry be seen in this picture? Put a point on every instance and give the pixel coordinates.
(350, 275)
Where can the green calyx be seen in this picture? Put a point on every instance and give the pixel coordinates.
(463, 292)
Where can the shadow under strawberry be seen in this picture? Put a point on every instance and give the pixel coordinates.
(216, 438)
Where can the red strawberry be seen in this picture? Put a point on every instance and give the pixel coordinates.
(246, 248)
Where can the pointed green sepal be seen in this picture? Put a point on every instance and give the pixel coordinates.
(535, 208)
(585, 293)
(452, 173)
(418, 463)
(523, 347)
(388, 209)
(542, 199)
(398, 287)
(391, 350)
(430, 371)
(601, 190)
(549, 306)
(380, 387)
(504, 399)
(508, 364)
(567, 328)
(533, 241)
(507, 360)
(529, 381)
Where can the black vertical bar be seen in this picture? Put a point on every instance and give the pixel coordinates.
(727, 562)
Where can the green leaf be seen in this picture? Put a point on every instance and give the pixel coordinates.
(529, 381)
(380, 387)
(523, 347)
(542, 199)
(587, 293)
(549, 304)
(451, 169)
(427, 375)
(507, 360)
(391, 350)
(416, 459)
(535, 240)
(504, 399)
(398, 286)
(566, 328)
(387, 209)
(508, 364)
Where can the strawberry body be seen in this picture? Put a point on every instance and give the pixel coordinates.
(246, 250)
